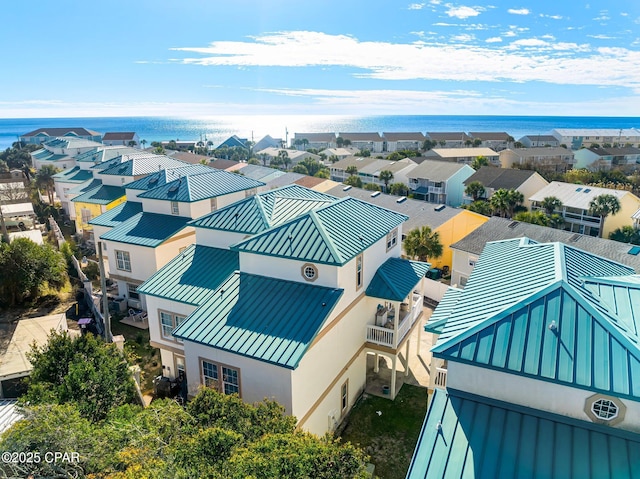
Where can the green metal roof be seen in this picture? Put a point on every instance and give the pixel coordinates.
(200, 187)
(396, 278)
(260, 212)
(84, 188)
(141, 164)
(332, 234)
(117, 215)
(471, 437)
(146, 229)
(267, 319)
(102, 195)
(73, 175)
(193, 275)
(621, 295)
(446, 306)
(163, 177)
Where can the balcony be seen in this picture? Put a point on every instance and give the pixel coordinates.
(389, 331)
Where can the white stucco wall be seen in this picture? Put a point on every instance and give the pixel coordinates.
(218, 238)
(537, 394)
(461, 266)
(154, 305)
(132, 195)
(115, 180)
(287, 269)
(142, 259)
(157, 206)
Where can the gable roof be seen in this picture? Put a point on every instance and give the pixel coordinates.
(539, 138)
(497, 229)
(141, 165)
(316, 137)
(260, 212)
(577, 196)
(461, 152)
(396, 278)
(473, 437)
(232, 320)
(496, 178)
(61, 132)
(188, 189)
(448, 135)
(93, 184)
(332, 234)
(102, 195)
(490, 135)
(146, 229)
(446, 306)
(163, 177)
(118, 136)
(104, 153)
(233, 141)
(189, 277)
(117, 215)
(73, 175)
(361, 136)
(71, 142)
(436, 170)
(409, 136)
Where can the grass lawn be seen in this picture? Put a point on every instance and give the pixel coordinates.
(389, 438)
(137, 340)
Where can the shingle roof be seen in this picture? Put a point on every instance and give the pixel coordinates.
(361, 136)
(73, 175)
(222, 164)
(490, 135)
(191, 277)
(538, 138)
(102, 195)
(332, 234)
(462, 152)
(497, 229)
(142, 165)
(541, 152)
(496, 178)
(448, 135)
(476, 438)
(396, 278)
(269, 329)
(117, 215)
(260, 212)
(163, 177)
(192, 188)
(62, 132)
(436, 170)
(146, 229)
(576, 196)
(118, 136)
(409, 136)
(316, 137)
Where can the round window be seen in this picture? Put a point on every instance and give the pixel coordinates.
(310, 272)
(604, 409)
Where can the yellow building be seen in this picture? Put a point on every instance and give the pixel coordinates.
(95, 202)
(453, 230)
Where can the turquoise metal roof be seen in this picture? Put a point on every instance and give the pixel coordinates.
(267, 319)
(117, 215)
(260, 212)
(102, 195)
(332, 234)
(163, 177)
(446, 306)
(466, 436)
(146, 229)
(621, 295)
(73, 175)
(395, 279)
(202, 186)
(193, 275)
(84, 188)
(142, 164)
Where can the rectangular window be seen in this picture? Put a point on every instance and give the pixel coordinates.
(230, 381)
(392, 239)
(180, 366)
(166, 321)
(123, 260)
(177, 321)
(359, 271)
(175, 208)
(131, 290)
(344, 397)
(210, 374)
(86, 215)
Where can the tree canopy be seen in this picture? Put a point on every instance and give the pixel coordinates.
(475, 190)
(603, 206)
(504, 202)
(353, 180)
(46, 181)
(423, 243)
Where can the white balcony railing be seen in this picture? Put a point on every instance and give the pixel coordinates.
(385, 336)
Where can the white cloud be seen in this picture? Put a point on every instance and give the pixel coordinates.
(530, 59)
(416, 6)
(464, 37)
(463, 12)
(624, 14)
(601, 36)
(553, 17)
(519, 11)
(493, 40)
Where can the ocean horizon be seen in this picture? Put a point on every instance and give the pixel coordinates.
(217, 129)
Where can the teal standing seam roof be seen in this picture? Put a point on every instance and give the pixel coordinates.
(267, 319)
(260, 212)
(102, 195)
(144, 164)
(193, 275)
(73, 175)
(199, 187)
(333, 234)
(621, 295)
(146, 229)
(446, 306)
(163, 177)
(84, 188)
(117, 215)
(396, 278)
(471, 437)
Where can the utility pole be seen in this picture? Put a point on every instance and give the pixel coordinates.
(105, 301)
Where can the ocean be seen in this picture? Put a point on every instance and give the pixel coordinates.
(217, 129)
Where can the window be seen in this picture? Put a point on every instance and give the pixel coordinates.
(392, 239)
(86, 215)
(473, 260)
(309, 272)
(605, 409)
(214, 204)
(177, 321)
(123, 260)
(131, 290)
(180, 366)
(344, 397)
(210, 374)
(229, 383)
(175, 208)
(166, 322)
(359, 271)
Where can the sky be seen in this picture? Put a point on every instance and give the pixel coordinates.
(198, 58)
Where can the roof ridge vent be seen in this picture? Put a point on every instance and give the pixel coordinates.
(513, 224)
(575, 237)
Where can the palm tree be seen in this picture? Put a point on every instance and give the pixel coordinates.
(351, 170)
(386, 176)
(479, 161)
(305, 142)
(423, 243)
(45, 180)
(603, 206)
(284, 157)
(534, 217)
(505, 201)
(353, 180)
(551, 204)
(143, 143)
(339, 142)
(475, 190)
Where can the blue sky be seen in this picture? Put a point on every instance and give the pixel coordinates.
(205, 58)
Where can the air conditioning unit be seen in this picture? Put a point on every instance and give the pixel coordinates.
(134, 303)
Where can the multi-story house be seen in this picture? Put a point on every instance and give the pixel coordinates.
(395, 141)
(576, 138)
(496, 140)
(281, 258)
(463, 155)
(527, 182)
(365, 141)
(294, 156)
(556, 159)
(67, 180)
(61, 152)
(599, 158)
(576, 212)
(42, 135)
(539, 141)
(439, 182)
(369, 169)
(449, 139)
(124, 138)
(319, 141)
(536, 366)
